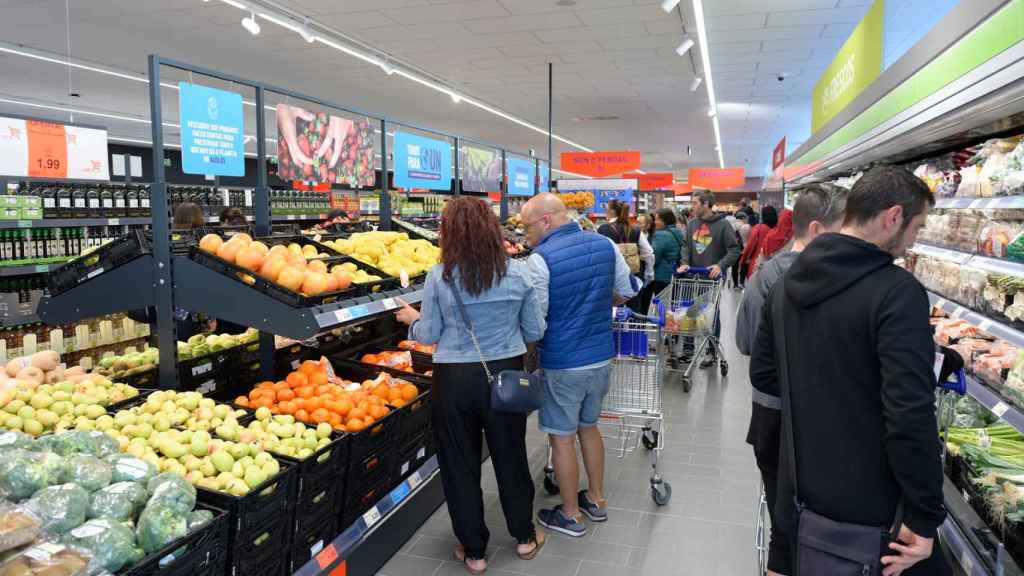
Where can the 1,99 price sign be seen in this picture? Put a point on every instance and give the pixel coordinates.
(43, 149)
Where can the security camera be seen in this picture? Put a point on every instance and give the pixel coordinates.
(780, 77)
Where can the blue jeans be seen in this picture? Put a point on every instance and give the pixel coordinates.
(572, 399)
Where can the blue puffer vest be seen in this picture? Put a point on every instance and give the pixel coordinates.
(582, 266)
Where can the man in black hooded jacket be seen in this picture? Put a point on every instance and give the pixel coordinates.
(860, 356)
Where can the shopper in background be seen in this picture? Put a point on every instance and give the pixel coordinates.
(505, 313)
(668, 239)
(709, 242)
(778, 238)
(619, 231)
(752, 218)
(578, 276)
(748, 258)
(231, 216)
(187, 216)
(818, 210)
(742, 233)
(859, 354)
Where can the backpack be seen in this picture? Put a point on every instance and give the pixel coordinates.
(629, 250)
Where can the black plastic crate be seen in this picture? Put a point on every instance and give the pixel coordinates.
(259, 507)
(363, 498)
(133, 401)
(290, 357)
(308, 542)
(412, 454)
(195, 373)
(324, 467)
(145, 379)
(263, 550)
(84, 268)
(200, 553)
(318, 499)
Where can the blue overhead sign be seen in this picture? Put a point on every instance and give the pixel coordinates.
(422, 162)
(521, 177)
(212, 131)
(543, 177)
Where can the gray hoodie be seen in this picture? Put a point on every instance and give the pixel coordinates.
(710, 242)
(760, 285)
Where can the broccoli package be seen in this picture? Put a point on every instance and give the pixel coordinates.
(159, 525)
(198, 518)
(61, 507)
(172, 491)
(14, 439)
(79, 442)
(127, 468)
(22, 473)
(110, 542)
(89, 472)
(118, 501)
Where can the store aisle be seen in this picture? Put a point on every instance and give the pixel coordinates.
(707, 528)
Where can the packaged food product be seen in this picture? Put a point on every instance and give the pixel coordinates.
(48, 559)
(18, 526)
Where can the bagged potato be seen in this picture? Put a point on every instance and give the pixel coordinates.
(118, 501)
(172, 491)
(127, 468)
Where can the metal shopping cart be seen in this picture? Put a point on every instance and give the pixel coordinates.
(631, 414)
(692, 302)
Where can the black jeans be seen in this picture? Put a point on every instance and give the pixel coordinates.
(462, 415)
(779, 545)
(652, 289)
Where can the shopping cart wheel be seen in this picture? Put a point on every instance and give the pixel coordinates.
(687, 384)
(650, 439)
(723, 366)
(661, 493)
(549, 482)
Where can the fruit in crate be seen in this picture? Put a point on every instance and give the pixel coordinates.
(60, 406)
(205, 344)
(391, 252)
(311, 397)
(280, 434)
(399, 360)
(417, 347)
(166, 408)
(114, 366)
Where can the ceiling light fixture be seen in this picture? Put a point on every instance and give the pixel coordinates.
(695, 83)
(387, 67)
(712, 112)
(455, 96)
(669, 5)
(250, 24)
(702, 38)
(684, 46)
(307, 33)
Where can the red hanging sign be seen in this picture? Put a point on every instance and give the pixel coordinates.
(717, 178)
(600, 164)
(652, 180)
(779, 154)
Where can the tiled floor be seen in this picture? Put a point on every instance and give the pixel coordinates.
(707, 529)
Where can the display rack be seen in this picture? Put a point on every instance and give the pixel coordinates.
(28, 269)
(984, 323)
(980, 203)
(959, 533)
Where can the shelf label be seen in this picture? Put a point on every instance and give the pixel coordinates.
(421, 453)
(113, 222)
(358, 311)
(42, 267)
(984, 325)
(1000, 408)
(295, 364)
(371, 517)
(325, 557)
(343, 315)
(414, 480)
(399, 493)
(958, 312)
(389, 303)
(202, 369)
(967, 563)
(24, 223)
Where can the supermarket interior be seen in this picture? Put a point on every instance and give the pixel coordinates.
(318, 288)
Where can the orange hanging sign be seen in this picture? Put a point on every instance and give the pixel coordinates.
(600, 164)
(652, 180)
(717, 178)
(47, 150)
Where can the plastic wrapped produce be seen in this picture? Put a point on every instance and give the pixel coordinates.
(111, 543)
(173, 491)
(127, 468)
(48, 559)
(14, 439)
(22, 473)
(198, 518)
(18, 526)
(118, 501)
(60, 507)
(89, 472)
(159, 525)
(79, 442)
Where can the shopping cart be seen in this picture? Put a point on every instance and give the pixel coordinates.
(631, 414)
(692, 300)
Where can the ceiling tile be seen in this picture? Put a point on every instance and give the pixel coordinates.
(415, 32)
(579, 32)
(856, 2)
(816, 17)
(448, 12)
(334, 6)
(719, 7)
(624, 14)
(538, 49)
(521, 23)
(839, 30)
(735, 22)
(538, 6)
(663, 26)
(772, 58)
(816, 44)
(767, 34)
(734, 48)
(356, 21)
(640, 42)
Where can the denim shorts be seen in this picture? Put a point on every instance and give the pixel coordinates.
(572, 399)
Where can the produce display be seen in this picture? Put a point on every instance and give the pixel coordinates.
(995, 362)
(121, 366)
(997, 233)
(285, 266)
(391, 252)
(996, 168)
(399, 360)
(577, 200)
(417, 347)
(205, 344)
(309, 395)
(84, 506)
(1000, 296)
(43, 408)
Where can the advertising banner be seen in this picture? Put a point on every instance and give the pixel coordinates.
(38, 148)
(543, 177)
(321, 147)
(854, 68)
(653, 180)
(604, 191)
(716, 178)
(779, 154)
(521, 177)
(598, 164)
(212, 131)
(481, 169)
(422, 162)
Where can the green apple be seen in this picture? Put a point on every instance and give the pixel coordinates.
(41, 400)
(14, 423)
(47, 418)
(207, 467)
(222, 460)
(13, 406)
(33, 427)
(254, 476)
(94, 411)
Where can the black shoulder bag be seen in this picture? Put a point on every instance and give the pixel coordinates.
(825, 546)
(511, 390)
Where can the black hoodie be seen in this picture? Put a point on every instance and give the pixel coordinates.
(860, 365)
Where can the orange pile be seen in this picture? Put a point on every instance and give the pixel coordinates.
(414, 345)
(308, 395)
(396, 360)
(278, 264)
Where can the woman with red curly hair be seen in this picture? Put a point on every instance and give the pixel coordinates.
(504, 315)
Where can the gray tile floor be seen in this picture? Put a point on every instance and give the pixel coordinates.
(707, 528)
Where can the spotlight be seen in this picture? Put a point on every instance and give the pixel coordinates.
(669, 5)
(250, 24)
(685, 46)
(695, 83)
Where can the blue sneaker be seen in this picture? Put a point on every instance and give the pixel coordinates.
(554, 519)
(592, 510)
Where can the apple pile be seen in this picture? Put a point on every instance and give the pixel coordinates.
(61, 406)
(280, 434)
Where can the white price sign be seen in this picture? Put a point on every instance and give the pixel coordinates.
(1000, 408)
(415, 480)
(39, 148)
(371, 517)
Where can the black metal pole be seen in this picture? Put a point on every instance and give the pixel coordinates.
(385, 187)
(551, 108)
(162, 273)
(503, 206)
(261, 203)
(456, 178)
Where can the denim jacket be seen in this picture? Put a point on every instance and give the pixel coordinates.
(504, 318)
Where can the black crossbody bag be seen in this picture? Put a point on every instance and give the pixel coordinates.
(825, 546)
(511, 390)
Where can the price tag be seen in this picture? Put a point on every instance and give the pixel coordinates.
(113, 222)
(975, 203)
(357, 311)
(415, 480)
(371, 517)
(291, 216)
(389, 303)
(1000, 408)
(42, 267)
(400, 492)
(24, 223)
(343, 315)
(967, 563)
(958, 312)
(967, 498)
(325, 557)
(421, 453)
(984, 325)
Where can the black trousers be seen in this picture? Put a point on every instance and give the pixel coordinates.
(462, 416)
(767, 458)
(648, 292)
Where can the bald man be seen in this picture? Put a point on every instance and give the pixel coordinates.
(578, 277)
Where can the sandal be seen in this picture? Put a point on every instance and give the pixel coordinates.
(460, 555)
(538, 541)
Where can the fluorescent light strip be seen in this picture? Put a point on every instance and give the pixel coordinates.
(702, 37)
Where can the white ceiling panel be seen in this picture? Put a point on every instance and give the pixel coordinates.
(767, 34)
(551, 21)
(448, 12)
(839, 30)
(357, 20)
(719, 7)
(541, 6)
(736, 22)
(579, 32)
(624, 14)
(852, 14)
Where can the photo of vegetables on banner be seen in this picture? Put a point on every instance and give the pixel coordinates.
(318, 147)
(481, 169)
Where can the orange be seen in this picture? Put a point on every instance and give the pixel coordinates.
(278, 386)
(287, 407)
(334, 420)
(318, 378)
(378, 412)
(285, 394)
(382, 391)
(242, 401)
(323, 389)
(302, 416)
(356, 414)
(319, 415)
(297, 380)
(344, 406)
(313, 403)
(210, 243)
(309, 367)
(354, 425)
(261, 402)
(304, 392)
(369, 359)
(409, 391)
(228, 251)
(395, 396)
